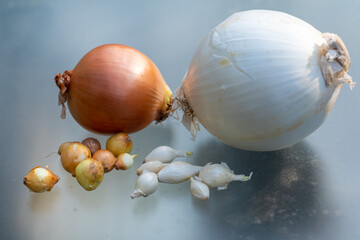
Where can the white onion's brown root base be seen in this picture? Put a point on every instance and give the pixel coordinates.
(189, 119)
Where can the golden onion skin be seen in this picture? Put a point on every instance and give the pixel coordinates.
(115, 88)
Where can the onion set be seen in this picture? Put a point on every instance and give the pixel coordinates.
(106, 158)
(119, 143)
(201, 178)
(263, 80)
(220, 175)
(89, 174)
(72, 155)
(114, 88)
(152, 166)
(198, 189)
(40, 179)
(64, 145)
(177, 172)
(146, 184)
(92, 143)
(165, 154)
(124, 161)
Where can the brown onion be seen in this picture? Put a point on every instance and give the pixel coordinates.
(72, 155)
(106, 158)
(64, 145)
(119, 143)
(92, 143)
(115, 88)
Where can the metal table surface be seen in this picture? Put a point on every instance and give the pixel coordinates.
(308, 191)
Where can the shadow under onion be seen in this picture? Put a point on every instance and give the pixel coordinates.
(285, 199)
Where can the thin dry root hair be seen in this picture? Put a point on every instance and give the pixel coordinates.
(63, 82)
(189, 119)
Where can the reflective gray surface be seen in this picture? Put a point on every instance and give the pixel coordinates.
(308, 191)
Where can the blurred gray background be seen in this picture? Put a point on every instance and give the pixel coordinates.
(308, 191)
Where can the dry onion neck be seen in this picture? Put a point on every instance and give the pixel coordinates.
(167, 108)
(189, 119)
(335, 61)
(63, 82)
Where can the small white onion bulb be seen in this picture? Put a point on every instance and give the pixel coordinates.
(263, 80)
(177, 172)
(219, 176)
(152, 166)
(165, 154)
(146, 184)
(198, 189)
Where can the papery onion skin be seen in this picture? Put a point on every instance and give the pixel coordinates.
(89, 174)
(124, 161)
(92, 143)
(72, 155)
(115, 88)
(256, 81)
(64, 145)
(40, 179)
(119, 143)
(106, 158)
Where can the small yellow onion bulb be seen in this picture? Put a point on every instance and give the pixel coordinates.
(72, 155)
(64, 145)
(40, 179)
(119, 143)
(106, 158)
(89, 174)
(263, 80)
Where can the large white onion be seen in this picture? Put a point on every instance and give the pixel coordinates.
(263, 80)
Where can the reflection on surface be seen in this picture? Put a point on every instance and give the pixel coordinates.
(283, 200)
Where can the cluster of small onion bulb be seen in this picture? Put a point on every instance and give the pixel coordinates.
(159, 166)
(86, 161)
